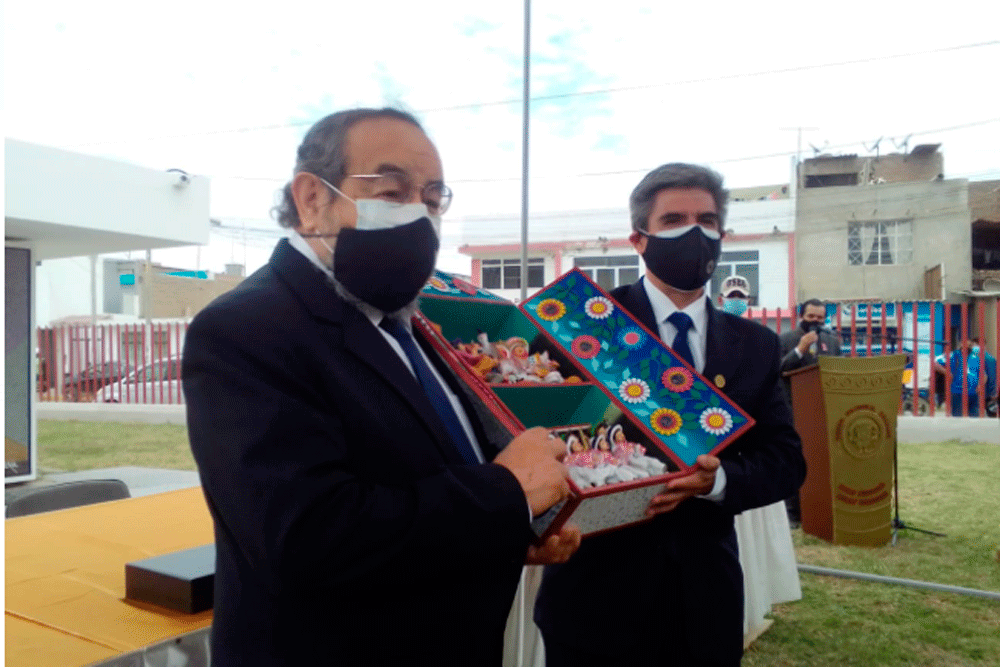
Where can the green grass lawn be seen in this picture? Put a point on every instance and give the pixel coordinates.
(69, 446)
(947, 487)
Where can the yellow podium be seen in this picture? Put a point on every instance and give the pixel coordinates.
(845, 412)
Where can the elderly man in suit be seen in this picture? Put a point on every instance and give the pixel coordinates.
(670, 591)
(367, 510)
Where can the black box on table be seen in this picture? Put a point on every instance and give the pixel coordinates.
(182, 581)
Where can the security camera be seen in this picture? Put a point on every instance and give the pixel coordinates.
(183, 178)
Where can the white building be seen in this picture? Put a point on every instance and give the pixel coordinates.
(63, 204)
(759, 245)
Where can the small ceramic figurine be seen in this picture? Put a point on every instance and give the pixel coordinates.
(604, 460)
(509, 361)
(633, 454)
(579, 462)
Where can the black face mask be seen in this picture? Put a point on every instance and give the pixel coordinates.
(386, 268)
(684, 262)
(810, 326)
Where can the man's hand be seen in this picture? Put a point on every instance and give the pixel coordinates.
(534, 459)
(807, 340)
(557, 548)
(699, 482)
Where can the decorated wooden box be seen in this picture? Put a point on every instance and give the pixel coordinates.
(571, 359)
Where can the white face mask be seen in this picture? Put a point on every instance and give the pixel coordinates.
(380, 214)
(677, 232)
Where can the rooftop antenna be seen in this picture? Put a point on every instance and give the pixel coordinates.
(904, 144)
(874, 147)
(817, 151)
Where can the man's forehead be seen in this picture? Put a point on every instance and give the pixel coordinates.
(815, 310)
(374, 142)
(684, 199)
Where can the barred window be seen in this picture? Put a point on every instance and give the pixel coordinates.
(880, 243)
(610, 272)
(506, 273)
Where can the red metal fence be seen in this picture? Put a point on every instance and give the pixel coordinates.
(931, 333)
(113, 363)
(140, 363)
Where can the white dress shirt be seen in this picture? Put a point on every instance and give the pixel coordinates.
(663, 308)
(375, 316)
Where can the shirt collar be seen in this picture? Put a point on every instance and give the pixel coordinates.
(296, 241)
(663, 307)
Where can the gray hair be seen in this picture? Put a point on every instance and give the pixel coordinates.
(322, 153)
(675, 175)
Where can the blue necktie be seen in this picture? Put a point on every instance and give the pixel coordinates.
(432, 388)
(682, 322)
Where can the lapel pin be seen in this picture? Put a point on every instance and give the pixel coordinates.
(720, 381)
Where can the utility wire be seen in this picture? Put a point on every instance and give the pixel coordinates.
(556, 96)
(746, 158)
(721, 77)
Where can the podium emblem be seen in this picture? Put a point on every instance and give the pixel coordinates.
(862, 431)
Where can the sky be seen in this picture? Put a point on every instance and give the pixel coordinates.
(224, 90)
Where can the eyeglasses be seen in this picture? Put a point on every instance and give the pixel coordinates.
(398, 188)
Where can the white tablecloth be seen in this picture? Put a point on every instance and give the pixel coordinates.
(770, 576)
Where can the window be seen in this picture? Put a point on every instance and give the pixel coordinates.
(880, 243)
(744, 263)
(132, 343)
(164, 369)
(825, 180)
(161, 343)
(610, 272)
(506, 273)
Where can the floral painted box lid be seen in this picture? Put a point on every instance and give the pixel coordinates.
(629, 379)
(665, 396)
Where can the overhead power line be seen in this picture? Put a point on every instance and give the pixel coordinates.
(720, 77)
(644, 169)
(557, 96)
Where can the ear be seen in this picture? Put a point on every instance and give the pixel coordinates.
(311, 197)
(638, 242)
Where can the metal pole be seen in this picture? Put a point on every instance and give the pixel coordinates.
(93, 312)
(525, 113)
(911, 583)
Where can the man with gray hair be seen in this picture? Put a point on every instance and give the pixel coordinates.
(368, 510)
(670, 590)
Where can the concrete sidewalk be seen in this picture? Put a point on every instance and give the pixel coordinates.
(935, 429)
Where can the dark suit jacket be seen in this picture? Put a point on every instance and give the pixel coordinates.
(672, 587)
(828, 344)
(348, 531)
